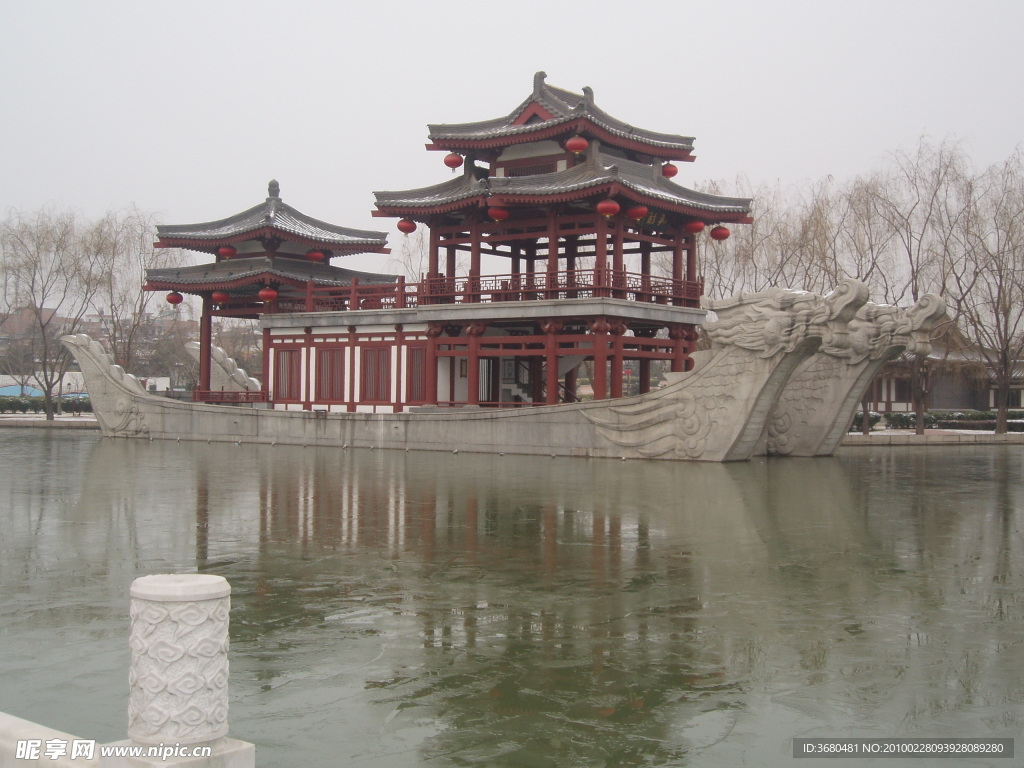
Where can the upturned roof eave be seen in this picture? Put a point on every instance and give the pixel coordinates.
(211, 243)
(731, 214)
(549, 129)
(198, 278)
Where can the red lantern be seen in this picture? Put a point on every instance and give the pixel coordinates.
(577, 144)
(607, 207)
(453, 160)
(175, 298)
(694, 227)
(407, 225)
(267, 294)
(719, 233)
(498, 214)
(315, 255)
(668, 170)
(219, 297)
(637, 212)
(227, 251)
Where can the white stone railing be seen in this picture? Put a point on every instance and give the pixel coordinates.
(178, 682)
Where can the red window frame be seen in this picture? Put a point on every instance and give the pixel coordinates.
(375, 375)
(416, 389)
(288, 375)
(330, 375)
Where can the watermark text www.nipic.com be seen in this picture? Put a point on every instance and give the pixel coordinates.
(34, 749)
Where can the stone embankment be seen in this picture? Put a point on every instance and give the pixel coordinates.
(933, 437)
(38, 421)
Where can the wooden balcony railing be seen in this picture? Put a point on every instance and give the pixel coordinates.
(224, 396)
(572, 284)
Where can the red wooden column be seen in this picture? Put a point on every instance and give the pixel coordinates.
(307, 394)
(433, 270)
(645, 375)
(531, 265)
(691, 256)
(677, 268)
(516, 284)
(205, 344)
(552, 276)
(572, 245)
(451, 256)
(474, 262)
(679, 337)
(267, 378)
(616, 373)
(618, 261)
(600, 257)
(599, 329)
(473, 331)
(570, 385)
(551, 328)
(645, 269)
(430, 394)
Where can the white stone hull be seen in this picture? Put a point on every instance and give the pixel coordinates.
(714, 413)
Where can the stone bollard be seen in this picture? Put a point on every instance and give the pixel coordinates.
(178, 678)
(179, 668)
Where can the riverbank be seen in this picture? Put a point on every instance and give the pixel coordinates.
(38, 421)
(933, 437)
(880, 437)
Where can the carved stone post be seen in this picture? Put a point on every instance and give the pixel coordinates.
(179, 664)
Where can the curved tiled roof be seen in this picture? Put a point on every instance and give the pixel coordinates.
(565, 107)
(278, 215)
(601, 170)
(209, 276)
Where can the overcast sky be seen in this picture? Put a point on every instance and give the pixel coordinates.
(189, 108)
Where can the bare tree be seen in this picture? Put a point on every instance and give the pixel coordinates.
(411, 256)
(985, 273)
(51, 274)
(123, 240)
(916, 199)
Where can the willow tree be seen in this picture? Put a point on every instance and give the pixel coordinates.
(50, 274)
(985, 274)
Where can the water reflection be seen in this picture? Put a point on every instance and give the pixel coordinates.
(430, 609)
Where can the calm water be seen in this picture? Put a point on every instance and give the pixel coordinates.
(395, 609)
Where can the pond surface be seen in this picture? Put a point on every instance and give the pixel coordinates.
(418, 609)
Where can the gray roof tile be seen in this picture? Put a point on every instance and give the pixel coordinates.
(241, 268)
(566, 107)
(277, 214)
(601, 170)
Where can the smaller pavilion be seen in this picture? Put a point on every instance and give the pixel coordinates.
(268, 259)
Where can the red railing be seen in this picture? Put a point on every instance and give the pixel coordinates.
(224, 396)
(572, 284)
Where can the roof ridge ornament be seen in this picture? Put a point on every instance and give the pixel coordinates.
(274, 189)
(588, 95)
(538, 83)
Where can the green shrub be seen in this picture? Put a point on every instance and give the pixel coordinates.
(909, 420)
(37, 404)
(858, 420)
(976, 424)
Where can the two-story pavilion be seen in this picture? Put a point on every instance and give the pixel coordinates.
(601, 272)
(267, 259)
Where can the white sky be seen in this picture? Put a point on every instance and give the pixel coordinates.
(189, 108)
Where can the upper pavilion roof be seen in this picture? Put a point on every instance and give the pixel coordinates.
(550, 111)
(272, 217)
(601, 172)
